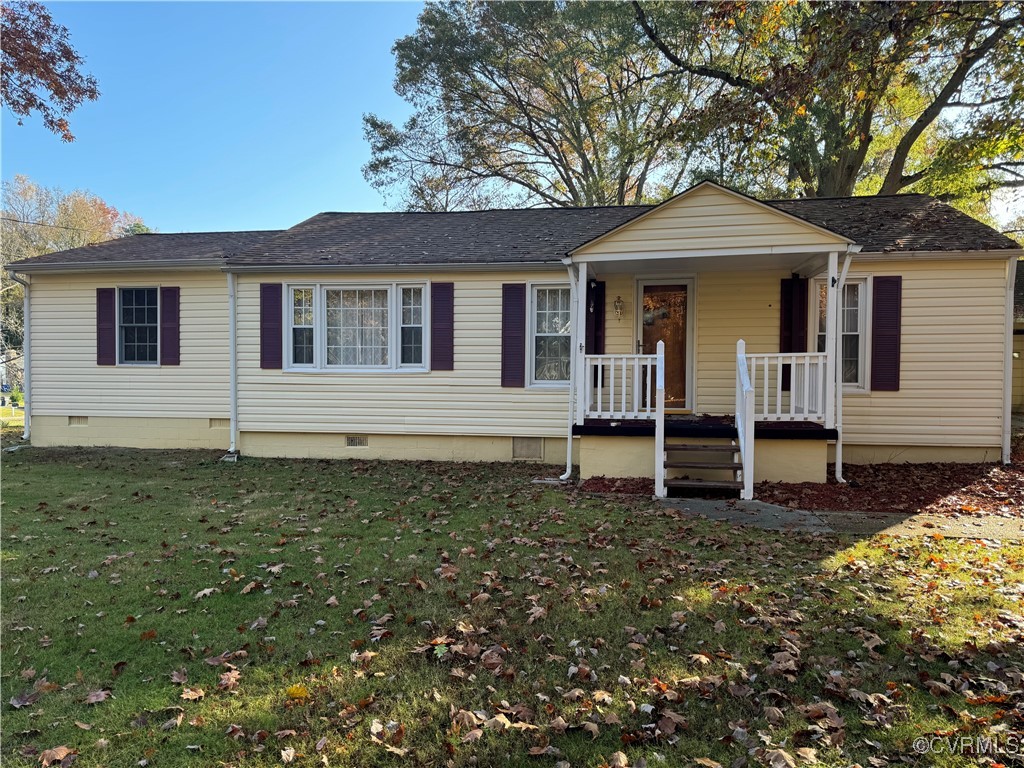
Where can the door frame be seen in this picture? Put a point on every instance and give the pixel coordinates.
(691, 319)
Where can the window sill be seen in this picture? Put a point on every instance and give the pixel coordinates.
(357, 371)
(548, 385)
(849, 389)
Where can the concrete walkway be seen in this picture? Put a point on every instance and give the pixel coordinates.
(776, 518)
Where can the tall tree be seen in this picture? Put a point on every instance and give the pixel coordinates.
(35, 220)
(534, 103)
(940, 86)
(40, 68)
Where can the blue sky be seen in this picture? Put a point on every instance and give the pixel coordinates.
(221, 115)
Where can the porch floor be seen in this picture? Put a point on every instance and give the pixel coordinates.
(706, 426)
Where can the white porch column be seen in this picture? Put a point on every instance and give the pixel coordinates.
(832, 381)
(580, 339)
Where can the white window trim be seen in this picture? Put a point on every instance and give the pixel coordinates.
(862, 387)
(531, 327)
(120, 350)
(320, 289)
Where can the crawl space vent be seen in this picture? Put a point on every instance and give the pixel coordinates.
(356, 441)
(528, 448)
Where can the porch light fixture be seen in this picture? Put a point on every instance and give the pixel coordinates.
(618, 304)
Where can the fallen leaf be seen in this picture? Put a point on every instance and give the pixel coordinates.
(57, 756)
(96, 697)
(779, 758)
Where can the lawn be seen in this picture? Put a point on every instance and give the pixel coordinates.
(166, 608)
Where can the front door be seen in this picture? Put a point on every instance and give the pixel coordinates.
(663, 313)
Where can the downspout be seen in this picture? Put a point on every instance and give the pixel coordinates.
(574, 337)
(1008, 372)
(838, 369)
(233, 365)
(26, 355)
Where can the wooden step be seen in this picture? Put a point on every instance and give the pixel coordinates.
(703, 465)
(699, 447)
(680, 483)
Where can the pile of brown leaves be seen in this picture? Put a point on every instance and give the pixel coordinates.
(962, 489)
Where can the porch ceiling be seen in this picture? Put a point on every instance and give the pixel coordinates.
(805, 264)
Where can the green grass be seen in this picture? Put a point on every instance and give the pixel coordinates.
(479, 592)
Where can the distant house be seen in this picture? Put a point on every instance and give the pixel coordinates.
(712, 339)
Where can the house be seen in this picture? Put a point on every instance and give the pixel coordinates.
(1018, 340)
(712, 339)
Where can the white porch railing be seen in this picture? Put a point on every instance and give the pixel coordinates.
(620, 386)
(745, 420)
(804, 397)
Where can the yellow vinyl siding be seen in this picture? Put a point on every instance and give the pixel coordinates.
(66, 379)
(732, 306)
(951, 361)
(710, 219)
(619, 334)
(467, 401)
(952, 355)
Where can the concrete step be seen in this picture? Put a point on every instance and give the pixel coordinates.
(702, 448)
(680, 483)
(703, 465)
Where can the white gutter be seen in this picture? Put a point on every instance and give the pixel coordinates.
(118, 266)
(233, 363)
(1011, 265)
(573, 373)
(26, 355)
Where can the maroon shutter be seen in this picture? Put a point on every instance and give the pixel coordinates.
(106, 326)
(513, 335)
(442, 326)
(595, 318)
(793, 321)
(270, 326)
(170, 326)
(886, 301)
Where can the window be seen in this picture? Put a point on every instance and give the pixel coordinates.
(138, 326)
(302, 326)
(551, 328)
(356, 326)
(412, 326)
(853, 318)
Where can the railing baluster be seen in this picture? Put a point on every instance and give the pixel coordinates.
(636, 389)
(611, 387)
(622, 397)
(649, 390)
(778, 388)
(807, 387)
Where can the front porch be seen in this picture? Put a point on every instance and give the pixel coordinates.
(709, 367)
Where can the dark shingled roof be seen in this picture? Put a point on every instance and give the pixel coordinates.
(898, 223)
(531, 235)
(537, 235)
(154, 248)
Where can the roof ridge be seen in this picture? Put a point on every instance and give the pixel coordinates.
(490, 210)
(848, 197)
(212, 232)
